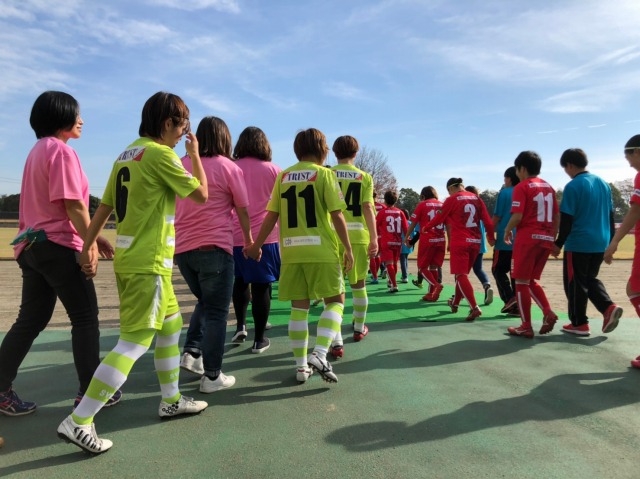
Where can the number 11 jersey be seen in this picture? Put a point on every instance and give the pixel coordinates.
(303, 196)
(536, 200)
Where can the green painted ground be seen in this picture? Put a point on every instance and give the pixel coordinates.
(416, 399)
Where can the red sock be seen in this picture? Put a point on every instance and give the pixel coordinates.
(373, 267)
(457, 295)
(392, 270)
(462, 280)
(523, 294)
(538, 295)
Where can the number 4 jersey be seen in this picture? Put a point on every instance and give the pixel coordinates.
(303, 196)
(357, 188)
(142, 190)
(536, 200)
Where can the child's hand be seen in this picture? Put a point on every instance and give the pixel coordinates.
(191, 144)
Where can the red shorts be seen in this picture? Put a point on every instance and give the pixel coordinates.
(461, 258)
(390, 254)
(528, 260)
(430, 255)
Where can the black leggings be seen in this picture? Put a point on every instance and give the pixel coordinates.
(260, 305)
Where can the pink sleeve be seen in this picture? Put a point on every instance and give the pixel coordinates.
(65, 175)
(238, 189)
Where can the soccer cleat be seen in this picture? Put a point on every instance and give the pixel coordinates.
(190, 363)
(509, 305)
(212, 385)
(416, 283)
(260, 347)
(303, 373)
(184, 405)
(611, 318)
(337, 351)
(429, 298)
(582, 330)
(523, 331)
(322, 367)
(437, 289)
(85, 437)
(393, 289)
(488, 295)
(473, 314)
(359, 335)
(384, 274)
(239, 337)
(374, 281)
(548, 321)
(635, 363)
(113, 400)
(454, 307)
(12, 405)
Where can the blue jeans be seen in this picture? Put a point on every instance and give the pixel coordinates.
(404, 265)
(209, 275)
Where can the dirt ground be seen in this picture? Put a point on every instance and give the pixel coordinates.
(614, 277)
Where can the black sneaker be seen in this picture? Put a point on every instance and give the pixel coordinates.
(12, 405)
(113, 400)
(260, 346)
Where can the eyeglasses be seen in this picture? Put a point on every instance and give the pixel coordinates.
(629, 151)
(186, 128)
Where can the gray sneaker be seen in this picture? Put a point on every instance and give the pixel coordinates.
(322, 367)
(185, 405)
(85, 437)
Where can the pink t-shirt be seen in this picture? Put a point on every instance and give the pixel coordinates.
(52, 174)
(259, 176)
(211, 223)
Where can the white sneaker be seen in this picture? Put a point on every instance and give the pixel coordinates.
(303, 373)
(268, 326)
(185, 405)
(239, 337)
(85, 437)
(488, 295)
(222, 382)
(192, 364)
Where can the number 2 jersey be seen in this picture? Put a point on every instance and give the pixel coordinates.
(536, 200)
(357, 189)
(142, 189)
(303, 196)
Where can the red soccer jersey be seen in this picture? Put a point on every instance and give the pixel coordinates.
(425, 212)
(635, 199)
(391, 224)
(535, 199)
(463, 211)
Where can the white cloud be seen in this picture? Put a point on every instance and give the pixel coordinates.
(581, 101)
(229, 6)
(343, 90)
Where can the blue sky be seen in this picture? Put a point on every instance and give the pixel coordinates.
(442, 88)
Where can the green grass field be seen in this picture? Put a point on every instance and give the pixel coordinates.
(7, 234)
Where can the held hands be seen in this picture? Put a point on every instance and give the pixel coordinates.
(104, 248)
(89, 261)
(508, 237)
(609, 252)
(555, 251)
(252, 251)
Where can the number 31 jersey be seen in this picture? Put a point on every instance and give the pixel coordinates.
(142, 189)
(357, 189)
(303, 196)
(536, 200)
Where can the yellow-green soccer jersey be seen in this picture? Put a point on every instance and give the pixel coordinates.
(357, 188)
(142, 189)
(304, 195)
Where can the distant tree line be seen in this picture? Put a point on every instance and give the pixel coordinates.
(10, 206)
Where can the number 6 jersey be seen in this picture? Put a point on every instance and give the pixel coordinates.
(142, 189)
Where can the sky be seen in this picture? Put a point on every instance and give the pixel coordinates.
(442, 88)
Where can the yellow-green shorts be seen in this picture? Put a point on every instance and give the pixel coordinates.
(360, 262)
(145, 300)
(310, 281)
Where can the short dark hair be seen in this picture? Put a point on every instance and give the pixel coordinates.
(574, 156)
(254, 143)
(634, 142)
(53, 111)
(472, 189)
(159, 108)
(511, 174)
(454, 182)
(310, 142)
(390, 197)
(213, 137)
(530, 161)
(429, 192)
(345, 147)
